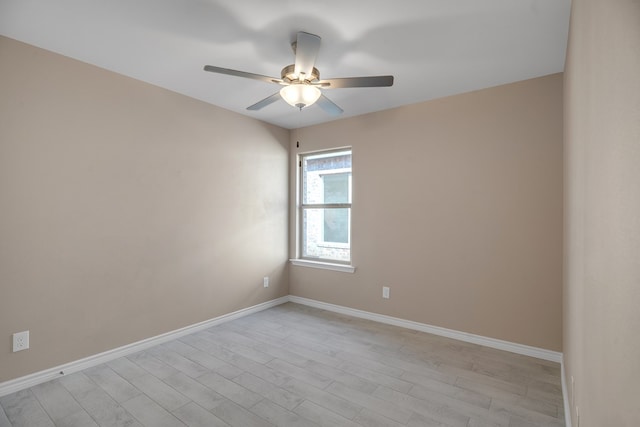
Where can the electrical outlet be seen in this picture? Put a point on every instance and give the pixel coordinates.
(385, 292)
(265, 281)
(20, 341)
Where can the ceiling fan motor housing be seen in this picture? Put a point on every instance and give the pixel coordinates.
(289, 76)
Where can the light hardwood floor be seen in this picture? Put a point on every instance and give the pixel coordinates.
(294, 365)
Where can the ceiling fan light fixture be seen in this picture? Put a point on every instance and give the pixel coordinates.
(300, 95)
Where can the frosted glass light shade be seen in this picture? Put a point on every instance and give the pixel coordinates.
(300, 95)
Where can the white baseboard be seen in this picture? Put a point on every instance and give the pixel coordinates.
(30, 380)
(27, 381)
(565, 397)
(526, 350)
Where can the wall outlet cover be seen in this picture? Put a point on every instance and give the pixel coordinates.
(20, 341)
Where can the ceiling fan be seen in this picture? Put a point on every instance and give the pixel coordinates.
(301, 80)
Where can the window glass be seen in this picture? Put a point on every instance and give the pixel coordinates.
(336, 226)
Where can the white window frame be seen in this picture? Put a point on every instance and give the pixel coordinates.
(324, 263)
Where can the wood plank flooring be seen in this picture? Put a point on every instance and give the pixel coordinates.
(294, 365)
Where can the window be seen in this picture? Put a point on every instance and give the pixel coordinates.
(325, 206)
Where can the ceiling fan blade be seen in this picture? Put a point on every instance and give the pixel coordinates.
(267, 101)
(244, 74)
(372, 81)
(307, 47)
(329, 106)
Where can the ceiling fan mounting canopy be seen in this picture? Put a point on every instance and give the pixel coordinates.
(301, 80)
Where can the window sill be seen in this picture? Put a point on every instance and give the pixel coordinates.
(323, 265)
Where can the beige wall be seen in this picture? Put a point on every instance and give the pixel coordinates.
(126, 210)
(458, 208)
(602, 213)
(129, 211)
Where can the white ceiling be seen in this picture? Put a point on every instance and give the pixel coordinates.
(434, 48)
